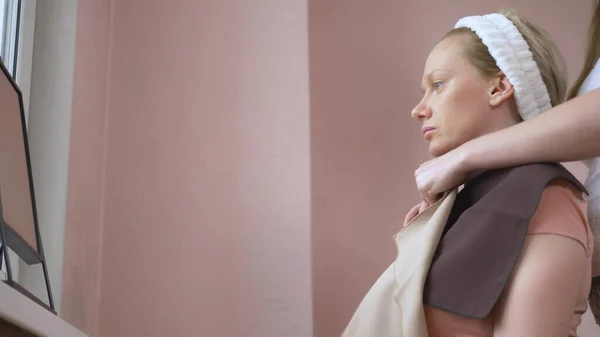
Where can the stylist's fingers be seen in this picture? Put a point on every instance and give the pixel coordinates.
(441, 174)
(433, 198)
(416, 210)
(412, 214)
(423, 206)
(425, 182)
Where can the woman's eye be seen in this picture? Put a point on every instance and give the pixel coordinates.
(437, 85)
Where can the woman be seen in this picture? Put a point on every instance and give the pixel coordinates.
(515, 256)
(469, 93)
(568, 132)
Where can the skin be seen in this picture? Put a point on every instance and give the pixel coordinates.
(462, 106)
(450, 83)
(567, 132)
(541, 298)
(459, 103)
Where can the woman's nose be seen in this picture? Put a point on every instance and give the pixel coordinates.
(421, 111)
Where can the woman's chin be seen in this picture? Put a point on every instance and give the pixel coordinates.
(436, 149)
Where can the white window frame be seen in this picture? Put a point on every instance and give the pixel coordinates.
(17, 27)
(9, 28)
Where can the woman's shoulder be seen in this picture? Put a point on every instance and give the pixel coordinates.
(562, 210)
(561, 194)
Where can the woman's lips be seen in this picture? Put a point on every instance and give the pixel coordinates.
(428, 132)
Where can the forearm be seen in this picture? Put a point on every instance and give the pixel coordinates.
(568, 132)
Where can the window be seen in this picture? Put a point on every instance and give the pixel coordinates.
(10, 11)
(17, 25)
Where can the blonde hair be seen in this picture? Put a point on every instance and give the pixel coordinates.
(593, 52)
(545, 54)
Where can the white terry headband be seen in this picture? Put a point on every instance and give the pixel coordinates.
(511, 52)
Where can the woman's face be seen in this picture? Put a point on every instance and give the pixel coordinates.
(456, 104)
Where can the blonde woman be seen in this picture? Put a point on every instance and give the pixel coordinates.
(515, 255)
(568, 132)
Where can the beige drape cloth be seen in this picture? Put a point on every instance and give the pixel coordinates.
(393, 307)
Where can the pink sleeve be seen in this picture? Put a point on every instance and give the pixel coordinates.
(562, 211)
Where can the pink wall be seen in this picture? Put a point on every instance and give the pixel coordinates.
(84, 218)
(207, 190)
(366, 65)
(191, 170)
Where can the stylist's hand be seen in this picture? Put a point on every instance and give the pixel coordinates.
(441, 174)
(416, 210)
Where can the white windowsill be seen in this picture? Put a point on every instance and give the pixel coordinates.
(23, 312)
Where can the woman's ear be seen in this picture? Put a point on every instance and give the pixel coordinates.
(500, 89)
